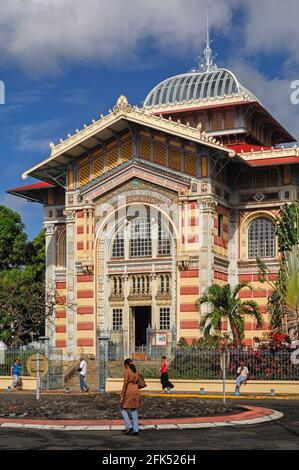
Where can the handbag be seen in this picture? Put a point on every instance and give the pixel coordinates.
(141, 382)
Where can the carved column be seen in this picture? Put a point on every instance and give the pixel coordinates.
(233, 238)
(126, 316)
(207, 208)
(71, 309)
(155, 314)
(90, 234)
(50, 279)
(85, 213)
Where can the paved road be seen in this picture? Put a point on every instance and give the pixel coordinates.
(279, 434)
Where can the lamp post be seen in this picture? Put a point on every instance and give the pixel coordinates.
(103, 339)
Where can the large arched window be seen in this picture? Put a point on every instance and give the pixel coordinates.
(142, 237)
(261, 238)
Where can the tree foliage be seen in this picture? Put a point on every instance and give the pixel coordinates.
(22, 281)
(14, 246)
(224, 304)
(287, 231)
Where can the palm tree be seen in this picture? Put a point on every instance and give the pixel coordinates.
(225, 305)
(292, 291)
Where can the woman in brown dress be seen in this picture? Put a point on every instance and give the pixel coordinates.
(130, 398)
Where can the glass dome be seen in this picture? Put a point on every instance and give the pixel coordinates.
(196, 86)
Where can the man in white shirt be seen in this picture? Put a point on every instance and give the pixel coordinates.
(82, 372)
(242, 377)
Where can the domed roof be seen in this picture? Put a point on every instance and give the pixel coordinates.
(196, 86)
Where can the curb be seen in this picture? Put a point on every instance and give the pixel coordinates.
(252, 415)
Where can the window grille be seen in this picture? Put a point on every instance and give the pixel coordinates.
(98, 166)
(140, 243)
(117, 286)
(145, 149)
(261, 238)
(117, 319)
(175, 159)
(164, 318)
(140, 285)
(84, 174)
(160, 153)
(126, 150)
(118, 248)
(112, 157)
(165, 284)
(190, 164)
(164, 246)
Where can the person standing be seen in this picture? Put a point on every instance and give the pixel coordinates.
(242, 377)
(15, 372)
(82, 373)
(130, 398)
(166, 384)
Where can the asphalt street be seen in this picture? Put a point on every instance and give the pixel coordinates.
(281, 434)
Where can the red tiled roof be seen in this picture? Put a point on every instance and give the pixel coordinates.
(41, 185)
(247, 147)
(273, 161)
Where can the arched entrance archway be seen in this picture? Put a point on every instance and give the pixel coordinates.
(136, 274)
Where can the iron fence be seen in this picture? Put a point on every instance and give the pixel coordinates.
(54, 377)
(203, 364)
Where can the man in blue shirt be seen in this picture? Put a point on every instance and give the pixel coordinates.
(15, 371)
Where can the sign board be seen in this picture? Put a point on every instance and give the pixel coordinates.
(159, 339)
(32, 365)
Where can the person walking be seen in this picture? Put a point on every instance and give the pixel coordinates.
(15, 372)
(242, 377)
(166, 384)
(82, 373)
(130, 398)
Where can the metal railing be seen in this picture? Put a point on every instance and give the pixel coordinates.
(202, 364)
(54, 377)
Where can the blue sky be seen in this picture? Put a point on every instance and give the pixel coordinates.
(59, 76)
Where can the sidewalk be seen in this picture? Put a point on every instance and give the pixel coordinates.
(251, 415)
(230, 396)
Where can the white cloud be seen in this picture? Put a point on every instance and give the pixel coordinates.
(272, 26)
(43, 35)
(35, 137)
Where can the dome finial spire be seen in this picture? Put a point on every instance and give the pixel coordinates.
(206, 63)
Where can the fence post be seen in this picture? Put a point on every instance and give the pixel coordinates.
(103, 357)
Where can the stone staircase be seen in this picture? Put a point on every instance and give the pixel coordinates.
(71, 376)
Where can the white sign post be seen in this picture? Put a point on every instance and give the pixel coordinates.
(224, 362)
(37, 376)
(37, 365)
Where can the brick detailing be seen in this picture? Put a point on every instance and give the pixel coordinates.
(188, 308)
(60, 328)
(191, 273)
(61, 314)
(85, 326)
(192, 290)
(60, 285)
(84, 310)
(189, 324)
(60, 343)
(85, 342)
(85, 278)
(84, 294)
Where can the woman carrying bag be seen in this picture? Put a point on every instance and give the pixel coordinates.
(130, 397)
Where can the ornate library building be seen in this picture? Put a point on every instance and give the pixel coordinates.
(146, 207)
